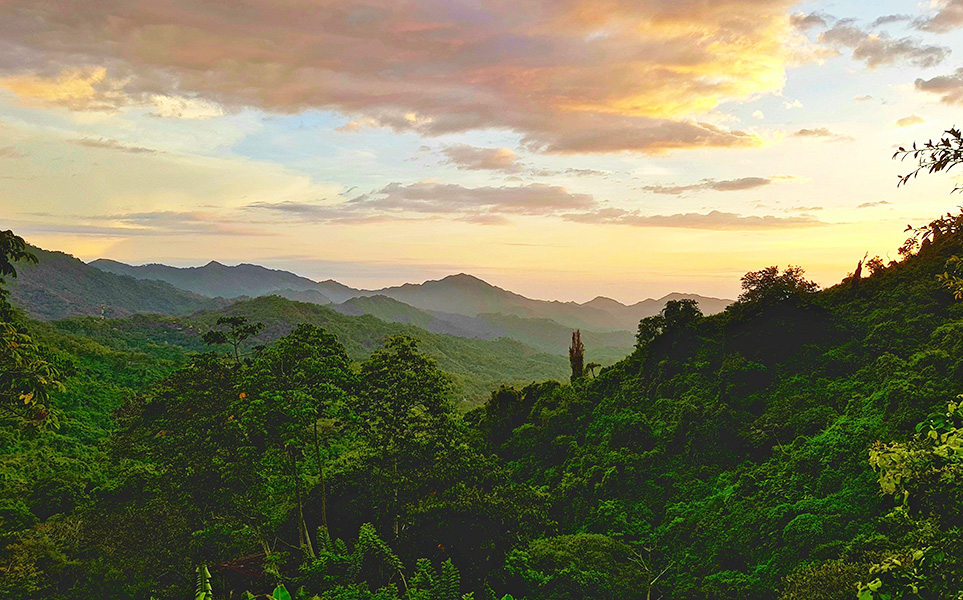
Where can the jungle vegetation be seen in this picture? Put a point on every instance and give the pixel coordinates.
(803, 444)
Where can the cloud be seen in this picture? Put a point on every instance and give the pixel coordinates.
(948, 17)
(428, 199)
(910, 120)
(469, 157)
(804, 209)
(872, 204)
(949, 87)
(725, 185)
(821, 132)
(151, 223)
(806, 22)
(485, 219)
(888, 19)
(176, 107)
(794, 104)
(77, 88)
(196, 222)
(715, 220)
(758, 114)
(865, 98)
(573, 76)
(880, 49)
(431, 197)
(108, 144)
(11, 152)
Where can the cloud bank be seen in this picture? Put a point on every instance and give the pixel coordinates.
(568, 76)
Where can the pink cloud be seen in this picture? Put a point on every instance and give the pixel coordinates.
(568, 75)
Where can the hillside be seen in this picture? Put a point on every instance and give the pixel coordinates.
(735, 446)
(476, 366)
(60, 286)
(389, 309)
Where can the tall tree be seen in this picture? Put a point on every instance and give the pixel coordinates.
(576, 355)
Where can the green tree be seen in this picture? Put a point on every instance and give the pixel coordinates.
(237, 330)
(12, 249)
(675, 315)
(404, 400)
(26, 374)
(768, 286)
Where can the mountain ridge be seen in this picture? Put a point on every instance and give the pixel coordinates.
(455, 294)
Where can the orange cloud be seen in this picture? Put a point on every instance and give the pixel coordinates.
(568, 75)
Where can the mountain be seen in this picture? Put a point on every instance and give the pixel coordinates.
(604, 347)
(448, 300)
(60, 286)
(391, 310)
(544, 335)
(338, 292)
(634, 313)
(469, 295)
(217, 280)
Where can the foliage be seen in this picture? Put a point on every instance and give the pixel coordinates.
(768, 286)
(26, 375)
(725, 458)
(676, 315)
(238, 330)
(933, 157)
(12, 249)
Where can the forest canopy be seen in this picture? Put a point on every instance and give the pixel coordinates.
(804, 443)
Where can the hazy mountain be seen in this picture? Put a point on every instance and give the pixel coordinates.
(549, 336)
(448, 305)
(469, 295)
(542, 334)
(60, 286)
(338, 292)
(391, 310)
(215, 279)
(633, 313)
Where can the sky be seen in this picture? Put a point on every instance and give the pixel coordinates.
(562, 149)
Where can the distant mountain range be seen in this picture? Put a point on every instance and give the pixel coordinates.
(481, 334)
(216, 280)
(460, 294)
(461, 305)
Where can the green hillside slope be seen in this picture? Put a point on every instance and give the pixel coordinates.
(734, 447)
(60, 286)
(476, 366)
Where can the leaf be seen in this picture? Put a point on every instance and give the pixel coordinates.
(281, 593)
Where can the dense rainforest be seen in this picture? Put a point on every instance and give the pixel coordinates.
(803, 444)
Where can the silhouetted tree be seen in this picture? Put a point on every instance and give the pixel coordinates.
(768, 286)
(933, 157)
(576, 355)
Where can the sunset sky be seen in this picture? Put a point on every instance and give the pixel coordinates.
(562, 149)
